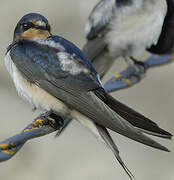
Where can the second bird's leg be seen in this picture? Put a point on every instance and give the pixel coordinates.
(112, 146)
(140, 65)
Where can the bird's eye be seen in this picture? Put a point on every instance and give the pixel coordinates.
(27, 26)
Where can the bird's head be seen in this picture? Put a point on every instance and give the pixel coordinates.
(32, 26)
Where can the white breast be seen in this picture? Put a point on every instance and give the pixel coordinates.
(33, 93)
(136, 27)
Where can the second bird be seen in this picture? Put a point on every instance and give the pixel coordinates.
(123, 28)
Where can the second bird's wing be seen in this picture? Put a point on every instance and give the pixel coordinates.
(99, 18)
(96, 28)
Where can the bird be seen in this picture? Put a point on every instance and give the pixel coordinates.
(124, 28)
(53, 74)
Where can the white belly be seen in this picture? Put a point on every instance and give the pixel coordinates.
(33, 93)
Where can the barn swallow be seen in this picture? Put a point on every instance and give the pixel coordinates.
(122, 28)
(53, 74)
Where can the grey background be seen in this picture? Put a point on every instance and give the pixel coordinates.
(76, 154)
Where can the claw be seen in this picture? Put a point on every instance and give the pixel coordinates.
(141, 66)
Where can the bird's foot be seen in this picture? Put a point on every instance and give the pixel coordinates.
(141, 67)
(41, 121)
(56, 121)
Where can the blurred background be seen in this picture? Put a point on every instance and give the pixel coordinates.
(77, 154)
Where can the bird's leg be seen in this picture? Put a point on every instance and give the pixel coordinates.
(140, 66)
(128, 61)
(58, 122)
(61, 121)
(112, 146)
(44, 124)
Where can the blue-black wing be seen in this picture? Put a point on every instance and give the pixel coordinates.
(100, 18)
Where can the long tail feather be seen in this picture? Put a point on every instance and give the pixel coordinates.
(133, 117)
(110, 143)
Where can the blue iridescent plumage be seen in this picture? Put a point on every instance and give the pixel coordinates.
(72, 49)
